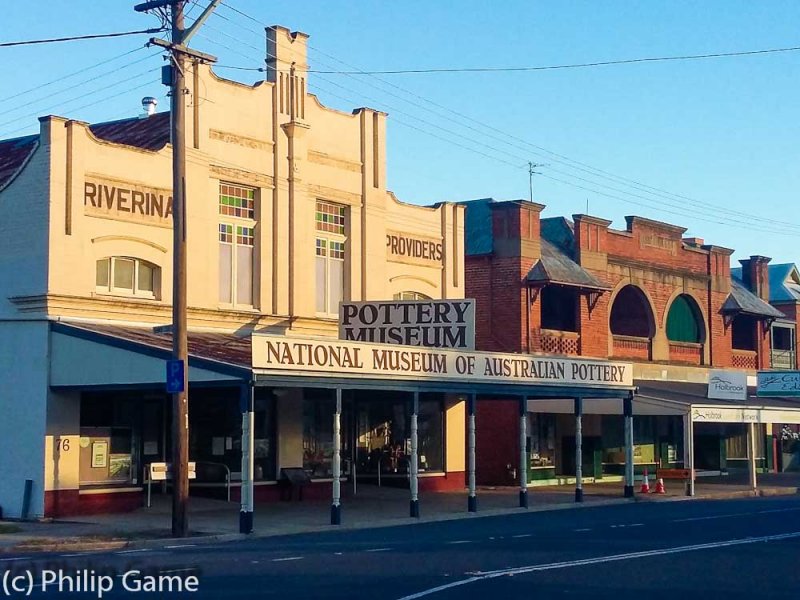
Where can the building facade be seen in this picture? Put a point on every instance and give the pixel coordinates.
(287, 214)
(647, 294)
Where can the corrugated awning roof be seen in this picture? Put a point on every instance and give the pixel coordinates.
(226, 349)
(556, 267)
(690, 394)
(743, 301)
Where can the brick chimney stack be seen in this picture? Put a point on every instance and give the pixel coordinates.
(755, 275)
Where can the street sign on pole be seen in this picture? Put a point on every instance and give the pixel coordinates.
(175, 376)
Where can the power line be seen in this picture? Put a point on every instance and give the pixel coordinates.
(74, 38)
(70, 75)
(604, 63)
(690, 211)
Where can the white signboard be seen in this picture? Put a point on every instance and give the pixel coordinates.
(778, 383)
(727, 385)
(337, 358)
(709, 414)
(430, 323)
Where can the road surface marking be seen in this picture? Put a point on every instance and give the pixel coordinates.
(337, 553)
(181, 546)
(132, 551)
(179, 570)
(522, 535)
(287, 558)
(460, 542)
(377, 550)
(73, 554)
(579, 530)
(16, 558)
(636, 525)
(600, 559)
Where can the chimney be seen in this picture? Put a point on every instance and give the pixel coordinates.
(755, 275)
(694, 241)
(148, 107)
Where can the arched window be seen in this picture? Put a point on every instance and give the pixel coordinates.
(127, 276)
(684, 321)
(630, 313)
(411, 296)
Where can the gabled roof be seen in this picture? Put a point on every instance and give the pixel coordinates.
(556, 267)
(151, 133)
(148, 133)
(13, 155)
(743, 301)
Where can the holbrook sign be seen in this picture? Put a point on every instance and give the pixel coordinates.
(127, 202)
(277, 354)
(431, 323)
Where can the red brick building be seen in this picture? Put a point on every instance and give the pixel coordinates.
(577, 287)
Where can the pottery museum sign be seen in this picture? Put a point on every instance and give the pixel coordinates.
(275, 354)
(123, 201)
(778, 383)
(430, 323)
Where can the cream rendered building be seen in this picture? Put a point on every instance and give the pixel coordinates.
(287, 214)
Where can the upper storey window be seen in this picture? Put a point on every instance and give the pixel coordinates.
(329, 247)
(127, 276)
(236, 235)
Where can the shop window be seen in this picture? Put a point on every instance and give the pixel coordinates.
(237, 206)
(126, 276)
(383, 431)
(684, 321)
(318, 410)
(109, 440)
(543, 440)
(631, 314)
(330, 221)
(743, 332)
(736, 442)
(410, 296)
(559, 306)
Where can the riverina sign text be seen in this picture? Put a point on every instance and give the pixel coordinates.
(338, 358)
(127, 202)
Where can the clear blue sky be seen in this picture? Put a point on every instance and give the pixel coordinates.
(723, 132)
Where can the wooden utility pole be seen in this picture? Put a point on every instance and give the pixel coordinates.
(180, 354)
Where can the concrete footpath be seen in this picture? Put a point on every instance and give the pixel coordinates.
(371, 507)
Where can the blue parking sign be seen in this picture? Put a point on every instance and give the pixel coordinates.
(174, 376)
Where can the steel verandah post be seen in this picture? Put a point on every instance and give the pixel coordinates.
(336, 507)
(246, 405)
(627, 409)
(751, 456)
(414, 464)
(472, 499)
(523, 452)
(578, 449)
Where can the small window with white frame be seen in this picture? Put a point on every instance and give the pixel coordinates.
(236, 235)
(330, 224)
(127, 276)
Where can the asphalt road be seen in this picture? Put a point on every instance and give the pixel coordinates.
(744, 548)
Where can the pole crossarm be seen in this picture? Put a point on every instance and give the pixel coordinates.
(183, 50)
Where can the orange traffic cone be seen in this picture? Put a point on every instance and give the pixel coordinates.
(645, 484)
(659, 487)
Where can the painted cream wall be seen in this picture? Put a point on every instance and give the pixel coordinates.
(455, 432)
(246, 135)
